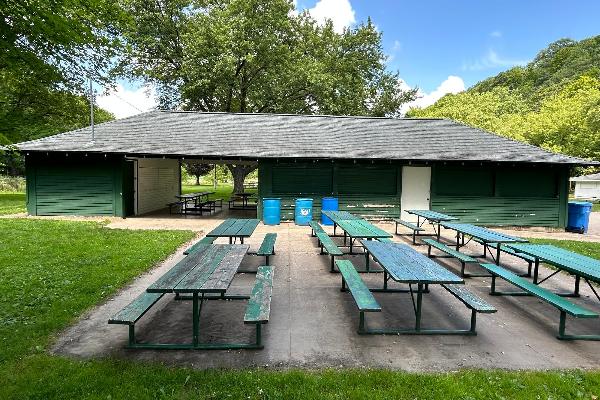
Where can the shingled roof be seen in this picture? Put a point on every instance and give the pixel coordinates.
(254, 136)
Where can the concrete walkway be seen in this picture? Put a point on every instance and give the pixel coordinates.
(314, 325)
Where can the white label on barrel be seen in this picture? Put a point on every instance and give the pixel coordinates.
(304, 211)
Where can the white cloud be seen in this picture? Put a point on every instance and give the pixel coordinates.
(491, 60)
(452, 84)
(125, 103)
(340, 13)
(397, 46)
(496, 34)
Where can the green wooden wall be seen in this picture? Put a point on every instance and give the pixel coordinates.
(370, 190)
(494, 195)
(78, 185)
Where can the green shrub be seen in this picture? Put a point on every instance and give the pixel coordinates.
(12, 184)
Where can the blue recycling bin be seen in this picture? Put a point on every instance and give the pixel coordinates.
(328, 204)
(303, 211)
(579, 216)
(271, 211)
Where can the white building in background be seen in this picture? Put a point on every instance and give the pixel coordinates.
(587, 187)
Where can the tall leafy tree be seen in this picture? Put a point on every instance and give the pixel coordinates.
(553, 102)
(48, 49)
(258, 56)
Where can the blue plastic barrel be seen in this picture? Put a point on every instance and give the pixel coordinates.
(579, 216)
(303, 211)
(271, 211)
(328, 204)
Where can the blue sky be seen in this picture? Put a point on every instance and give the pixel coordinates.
(472, 39)
(440, 46)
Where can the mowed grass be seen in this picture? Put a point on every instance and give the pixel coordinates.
(53, 271)
(12, 203)
(596, 207)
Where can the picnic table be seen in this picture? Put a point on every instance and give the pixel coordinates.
(355, 227)
(433, 217)
(210, 270)
(197, 198)
(234, 228)
(403, 264)
(483, 235)
(244, 196)
(564, 260)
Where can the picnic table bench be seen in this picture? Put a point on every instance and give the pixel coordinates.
(578, 265)
(205, 274)
(463, 258)
(435, 218)
(403, 264)
(415, 228)
(267, 247)
(564, 306)
(244, 198)
(199, 203)
(483, 236)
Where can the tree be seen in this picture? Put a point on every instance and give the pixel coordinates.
(48, 49)
(553, 102)
(197, 169)
(258, 56)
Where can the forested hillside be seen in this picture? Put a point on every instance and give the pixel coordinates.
(553, 102)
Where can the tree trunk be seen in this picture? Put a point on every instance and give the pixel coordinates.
(197, 180)
(239, 173)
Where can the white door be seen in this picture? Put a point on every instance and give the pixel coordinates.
(416, 186)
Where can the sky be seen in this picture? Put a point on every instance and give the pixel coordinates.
(439, 46)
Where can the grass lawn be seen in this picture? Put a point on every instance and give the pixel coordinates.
(223, 190)
(596, 207)
(12, 203)
(52, 271)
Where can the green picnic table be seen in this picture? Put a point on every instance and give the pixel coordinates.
(234, 228)
(210, 270)
(433, 217)
(355, 227)
(484, 235)
(403, 264)
(563, 260)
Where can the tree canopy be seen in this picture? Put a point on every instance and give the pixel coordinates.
(553, 102)
(48, 49)
(258, 56)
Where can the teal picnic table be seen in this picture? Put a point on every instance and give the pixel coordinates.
(483, 235)
(563, 260)
(401, 263)
(234, 228)
(434, 218)
(205, 274)
(355, 227)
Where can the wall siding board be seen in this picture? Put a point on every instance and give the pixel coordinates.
(520, 196)
(356, 186)
(74, 185)
(476, 194)
(158, 183)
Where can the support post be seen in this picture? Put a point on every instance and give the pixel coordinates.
(473, 321)
(131, 335)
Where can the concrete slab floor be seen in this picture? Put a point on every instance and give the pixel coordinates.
(314, 325)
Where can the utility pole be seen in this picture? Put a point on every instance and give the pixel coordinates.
(92, 110)
(215, 178)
